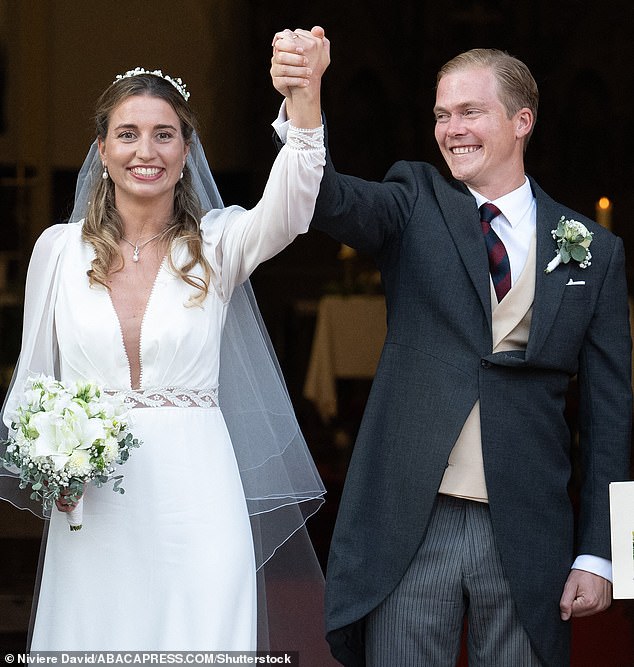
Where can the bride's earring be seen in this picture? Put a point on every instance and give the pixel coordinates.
(104, 175)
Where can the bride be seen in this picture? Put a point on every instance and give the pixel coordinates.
(146, 292)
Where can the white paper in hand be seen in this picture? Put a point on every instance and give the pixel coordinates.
(622, 528)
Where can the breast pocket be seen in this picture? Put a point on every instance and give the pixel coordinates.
(577, 290)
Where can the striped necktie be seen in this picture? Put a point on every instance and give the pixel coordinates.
(499, 265)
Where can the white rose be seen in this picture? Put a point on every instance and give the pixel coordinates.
(574, 228)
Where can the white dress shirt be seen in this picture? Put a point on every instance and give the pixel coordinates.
(516, 225)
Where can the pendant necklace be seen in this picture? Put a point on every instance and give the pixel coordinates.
(138, 247)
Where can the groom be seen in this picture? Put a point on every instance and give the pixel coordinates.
(455, 504)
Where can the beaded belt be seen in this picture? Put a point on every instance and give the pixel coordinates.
(170, 397)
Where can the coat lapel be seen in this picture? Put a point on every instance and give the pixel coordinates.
(461, 216)
(460, 212)
(549, 288)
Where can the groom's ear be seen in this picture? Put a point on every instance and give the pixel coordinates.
(524, 121)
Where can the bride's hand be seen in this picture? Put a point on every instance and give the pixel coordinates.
(64, 503)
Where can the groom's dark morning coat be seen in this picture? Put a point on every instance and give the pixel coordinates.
(425, 234)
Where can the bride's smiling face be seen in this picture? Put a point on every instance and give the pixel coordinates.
(144, 149)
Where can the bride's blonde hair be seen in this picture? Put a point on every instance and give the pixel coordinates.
(103, 227)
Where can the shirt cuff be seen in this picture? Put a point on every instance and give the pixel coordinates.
(281, 123)
(595, 565)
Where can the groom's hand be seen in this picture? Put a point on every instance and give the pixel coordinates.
(584, 594)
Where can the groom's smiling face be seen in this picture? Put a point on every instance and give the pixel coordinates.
(482, 145)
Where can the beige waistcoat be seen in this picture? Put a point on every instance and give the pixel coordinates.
(511, 320)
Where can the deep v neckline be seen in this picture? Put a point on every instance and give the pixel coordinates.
(139, 347)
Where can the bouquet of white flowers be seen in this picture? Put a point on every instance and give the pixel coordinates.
(65, 437)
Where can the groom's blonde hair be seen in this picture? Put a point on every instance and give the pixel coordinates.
(517, 88)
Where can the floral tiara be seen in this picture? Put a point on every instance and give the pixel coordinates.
(177, 83)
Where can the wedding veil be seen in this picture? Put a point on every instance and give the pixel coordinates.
(281, 484)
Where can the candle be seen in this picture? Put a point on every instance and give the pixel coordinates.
(603, 211)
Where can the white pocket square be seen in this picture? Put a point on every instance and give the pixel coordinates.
(575, 282)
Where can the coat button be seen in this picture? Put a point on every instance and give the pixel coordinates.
(485, 364)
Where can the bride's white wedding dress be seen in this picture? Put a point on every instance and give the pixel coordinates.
(170, 564)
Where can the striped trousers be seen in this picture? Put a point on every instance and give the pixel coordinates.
(456, 573)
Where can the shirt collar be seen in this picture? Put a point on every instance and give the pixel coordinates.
(513, 205)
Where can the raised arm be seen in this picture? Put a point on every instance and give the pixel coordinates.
(344, 202)
(238, 240)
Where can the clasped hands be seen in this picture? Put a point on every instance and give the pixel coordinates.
(300, 57)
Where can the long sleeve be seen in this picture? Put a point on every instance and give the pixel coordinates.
(238, 240)
(39, 347)
(38, 353)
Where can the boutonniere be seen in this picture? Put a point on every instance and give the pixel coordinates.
(573, 240)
